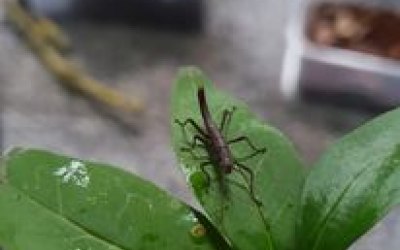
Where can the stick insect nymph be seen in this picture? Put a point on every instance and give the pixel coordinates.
(213, 139)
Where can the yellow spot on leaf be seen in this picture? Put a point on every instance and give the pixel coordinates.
(198, 231)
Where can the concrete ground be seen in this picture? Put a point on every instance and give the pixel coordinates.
(241, 50)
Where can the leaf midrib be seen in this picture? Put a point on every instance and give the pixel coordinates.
(328, 216)
(70, 222)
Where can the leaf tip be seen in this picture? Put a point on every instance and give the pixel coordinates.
(192, 75)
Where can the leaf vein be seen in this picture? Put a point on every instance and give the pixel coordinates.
(324, 222)
(90, 233)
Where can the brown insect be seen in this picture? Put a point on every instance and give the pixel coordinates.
(213, 139)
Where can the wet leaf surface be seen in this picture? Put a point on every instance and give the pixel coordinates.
(48, 202)
(354, 184)
(278, 172)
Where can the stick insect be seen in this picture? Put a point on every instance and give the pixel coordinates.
(213, 139)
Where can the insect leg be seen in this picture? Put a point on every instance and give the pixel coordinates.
(194, 124)
(226, 120)
(241, 167)
(247, 140)
(245, 158)
(192, 145)
(196, 138)
(194, 156)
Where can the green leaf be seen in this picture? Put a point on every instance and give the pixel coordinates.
(278, 172)
(49, 202)
(354, 184)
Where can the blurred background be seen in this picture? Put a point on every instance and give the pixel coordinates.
(264, 52)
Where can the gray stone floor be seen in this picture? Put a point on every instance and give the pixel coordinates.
(241, 50)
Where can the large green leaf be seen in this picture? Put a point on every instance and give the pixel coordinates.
(50, 202)
(278, 172)
(354, 184)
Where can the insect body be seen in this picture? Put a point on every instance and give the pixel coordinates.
(216, 146)
(213, 139)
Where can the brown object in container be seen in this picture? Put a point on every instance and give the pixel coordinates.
(348, 26)
(394, 51)
(323, 33)
(358, 28)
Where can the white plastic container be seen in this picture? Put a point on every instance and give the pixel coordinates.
(331, 70)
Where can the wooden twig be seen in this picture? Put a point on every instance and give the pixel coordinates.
(47, 40)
